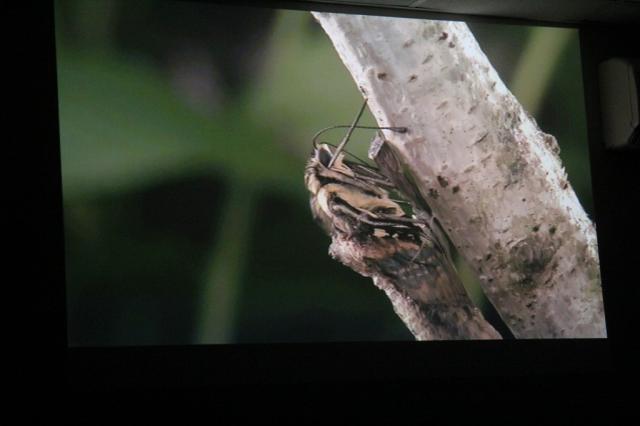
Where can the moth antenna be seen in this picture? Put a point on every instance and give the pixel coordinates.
(350, 131)
(348, 135)
(346, 126)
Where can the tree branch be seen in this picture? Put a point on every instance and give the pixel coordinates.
(490, 175)
(432, 306)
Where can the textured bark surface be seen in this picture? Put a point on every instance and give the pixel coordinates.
(432, 309)
(491, 176)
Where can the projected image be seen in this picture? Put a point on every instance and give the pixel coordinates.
(189, 164)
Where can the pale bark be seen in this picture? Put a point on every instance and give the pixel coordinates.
(491, 176)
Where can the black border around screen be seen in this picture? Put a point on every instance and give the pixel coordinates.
(81, 369)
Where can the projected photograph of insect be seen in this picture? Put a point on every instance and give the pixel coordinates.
(461, 152)
(378, 233)
(207, 202)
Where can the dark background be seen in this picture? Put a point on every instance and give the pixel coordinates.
(528, 389)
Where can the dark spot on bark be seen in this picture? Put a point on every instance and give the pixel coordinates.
(435, 318)
(490, 280)
(467, 311)
(529, 305)
(493, 85)
(487, 257)
(565, 184)
(536, 228)
(452, 44)
(407, 43)
(443, 36)
(524, 199)
(552, 230)
(483, 137)
(382, 75)
(536, 262)
(413, 78)
(473, 108)
(433, 193)
(455, 189)
(362, 89)
(530, 257)
(427, 59)
(552, 144)
(443, 181)
(516, 169)
(442, 105)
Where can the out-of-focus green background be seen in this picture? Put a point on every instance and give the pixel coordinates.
(184, 130)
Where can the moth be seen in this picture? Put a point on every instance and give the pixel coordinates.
(381, 234)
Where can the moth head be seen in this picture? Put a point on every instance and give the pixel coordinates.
(323, 154)
(317, 166)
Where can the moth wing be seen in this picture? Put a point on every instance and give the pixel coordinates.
(320, 217)
(371, 175)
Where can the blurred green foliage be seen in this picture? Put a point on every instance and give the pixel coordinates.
(187, 221)
(126, 129)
